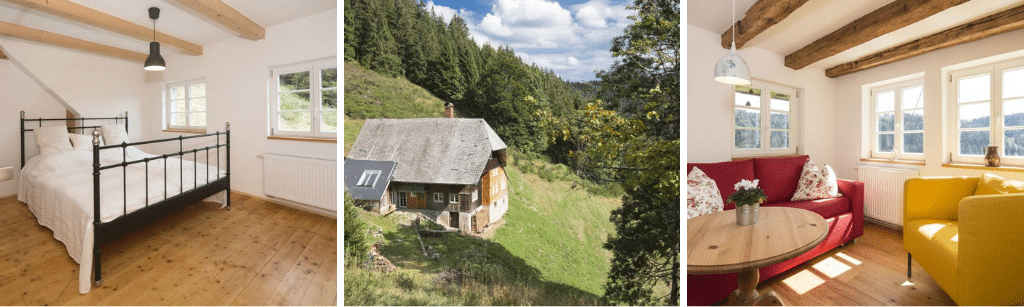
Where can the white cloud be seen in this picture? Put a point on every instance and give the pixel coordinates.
(446, 12)
(572, 61)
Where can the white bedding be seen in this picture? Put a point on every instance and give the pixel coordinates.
(58, 188)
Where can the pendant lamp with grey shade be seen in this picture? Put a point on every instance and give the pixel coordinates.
(731, 68)
(154, 62)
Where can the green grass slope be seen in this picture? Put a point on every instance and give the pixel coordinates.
(548, 252)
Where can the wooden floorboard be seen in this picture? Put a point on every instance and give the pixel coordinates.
(201, 255)
(869, 272)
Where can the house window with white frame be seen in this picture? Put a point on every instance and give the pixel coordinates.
(897, 127)
(304, 100)
(987, 104)
(368, 179)
(186, 105)
(453, 198)
(438, 197)
(764, 119)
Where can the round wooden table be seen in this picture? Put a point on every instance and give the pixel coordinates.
(716, 245)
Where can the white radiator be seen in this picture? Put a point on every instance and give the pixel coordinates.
(883, 192)
(307, 181)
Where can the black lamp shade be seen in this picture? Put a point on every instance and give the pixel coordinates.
(154, 62)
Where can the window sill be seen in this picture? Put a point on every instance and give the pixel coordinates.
(1016, 169)
(904, 162)
(179, 130)
(301, 139)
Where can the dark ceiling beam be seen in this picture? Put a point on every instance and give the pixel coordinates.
(761, 16)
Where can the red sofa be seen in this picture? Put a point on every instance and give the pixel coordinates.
(778, 177)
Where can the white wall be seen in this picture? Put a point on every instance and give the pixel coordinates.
(237, 73)
(709, 104)
(18, 92)
(849, 102)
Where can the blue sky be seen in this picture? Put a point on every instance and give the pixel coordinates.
(570, 37)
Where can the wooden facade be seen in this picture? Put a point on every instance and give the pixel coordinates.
(474, 204)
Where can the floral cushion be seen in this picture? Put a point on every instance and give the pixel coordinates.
(816, 183)
(701, 195)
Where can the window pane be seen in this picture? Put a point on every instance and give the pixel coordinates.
(178, 106)
(330, 98)
(748, 139)
(294, 101)
(197, 90)
(329, 78)
(748, 118)
(294, 121)
(973, 142)
(913, 98)
(197, 119)
(178, 92)
(780, 139)
(1013, 112)
(178, 119)
(885, 142)
(974, 115)
(746, 96)
(885, 102)
(1013, 83)
(913, 120)
(886, 121)
(294, 81)
(780, 120)
(197, 104)
(780, 102)
(974, 89)
(1013, 144)
(329, 121)
(913, 142)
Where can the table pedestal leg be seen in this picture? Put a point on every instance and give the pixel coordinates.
(747, 294)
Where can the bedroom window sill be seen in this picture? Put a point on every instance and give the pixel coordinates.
(178, 130)
(904, 162)
(1004, 168)
(302, 139)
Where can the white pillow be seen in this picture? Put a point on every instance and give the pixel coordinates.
(702, 195)
(52, 139)
(82, 141)
(816, 184)
(114, 134)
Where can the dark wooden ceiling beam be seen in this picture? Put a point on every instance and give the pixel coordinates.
(884, 20)
(760, 16)
(1008, 20)
(2, 55)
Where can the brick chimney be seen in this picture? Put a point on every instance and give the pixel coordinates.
(449, 110)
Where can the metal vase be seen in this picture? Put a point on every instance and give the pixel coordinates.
(746, 215)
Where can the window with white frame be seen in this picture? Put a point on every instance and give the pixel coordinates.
(764, 120)
(453, 198)
(368, 179)
(186, 105)
(988, 104)
(897, 128)
(438, 197)
(304, 100)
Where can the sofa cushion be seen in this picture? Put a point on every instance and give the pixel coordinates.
(992, 184)
(778, 176)
(827, 208)
(816, 183)
(934, 244)
(726, 174)
(702, 195)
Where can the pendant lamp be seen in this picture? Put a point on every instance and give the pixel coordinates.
(154, 62)
(731, 68)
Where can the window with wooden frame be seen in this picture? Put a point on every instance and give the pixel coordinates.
(304, 100)
(897, 121)
(987, 104)
(186, 105)
(764, 119)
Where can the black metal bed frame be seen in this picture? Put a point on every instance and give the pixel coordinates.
(106, 232)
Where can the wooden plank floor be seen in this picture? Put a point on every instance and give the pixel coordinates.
(869, 272)
(258, 253)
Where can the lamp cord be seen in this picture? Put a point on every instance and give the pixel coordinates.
(154, 28)
(733, 22)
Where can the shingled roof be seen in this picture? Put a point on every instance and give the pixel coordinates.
(429, 150)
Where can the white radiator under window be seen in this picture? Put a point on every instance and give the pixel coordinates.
(883, 192)
(307, 181)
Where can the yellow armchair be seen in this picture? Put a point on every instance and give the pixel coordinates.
(973, 246)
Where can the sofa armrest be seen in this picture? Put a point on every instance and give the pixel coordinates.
(991, 247)
(854, 190)
(935, 197)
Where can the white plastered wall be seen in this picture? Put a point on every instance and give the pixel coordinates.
(18, 92)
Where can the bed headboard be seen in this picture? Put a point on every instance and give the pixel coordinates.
(117, 120)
